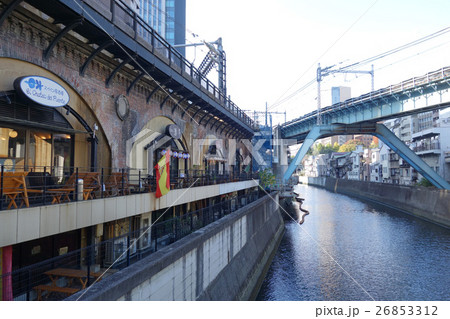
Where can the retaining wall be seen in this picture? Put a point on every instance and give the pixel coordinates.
(225, 260)
(427, 203)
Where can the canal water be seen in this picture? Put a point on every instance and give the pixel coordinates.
(351, 250)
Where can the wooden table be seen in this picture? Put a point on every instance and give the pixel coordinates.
(58, 193)
(71, 274)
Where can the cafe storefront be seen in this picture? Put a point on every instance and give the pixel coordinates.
(46, 125)
(46, 128)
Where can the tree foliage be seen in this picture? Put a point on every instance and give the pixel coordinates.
(319, 148)
(424, 182)
(350, 146)
(266, 178)
(373, 145)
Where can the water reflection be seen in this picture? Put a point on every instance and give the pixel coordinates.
(390, 255)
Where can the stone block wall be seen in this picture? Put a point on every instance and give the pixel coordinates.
(225, 260)
(427, 203)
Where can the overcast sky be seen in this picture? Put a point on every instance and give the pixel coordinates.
(273, 47)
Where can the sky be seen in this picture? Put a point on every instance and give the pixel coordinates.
(273, 47)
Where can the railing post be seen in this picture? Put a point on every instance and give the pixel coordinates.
(44, 193)
(76, 185)
(152, 40)
(113, 11)
(135, 25)
(140, 181)
(155, 231)
(170, 56)
(102, 182)
(128, 250)
(28, 284)
(123, 174)
(176, 232)
(1, 187)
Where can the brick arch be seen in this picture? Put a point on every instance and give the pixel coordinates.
(11, 68)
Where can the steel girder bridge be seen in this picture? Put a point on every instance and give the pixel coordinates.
(114, 27)
(361, 116)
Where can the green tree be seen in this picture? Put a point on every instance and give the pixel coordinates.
(373, 145)
(266, 178)
(350, 146)
(424, 182)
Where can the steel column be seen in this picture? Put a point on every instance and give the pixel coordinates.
(380, 131)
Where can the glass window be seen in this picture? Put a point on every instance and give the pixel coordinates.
(61, 154)
(40, 151)
(22, 149)
(12, 148)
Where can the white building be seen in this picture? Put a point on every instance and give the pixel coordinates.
(433, 145)
(376, 174)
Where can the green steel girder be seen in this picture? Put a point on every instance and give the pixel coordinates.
(378, 130)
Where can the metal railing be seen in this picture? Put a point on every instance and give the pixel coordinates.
(433, 146)
(54, 185)
(128, 20)
(121, 251)
(410, 84)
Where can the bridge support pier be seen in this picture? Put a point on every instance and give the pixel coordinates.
(378, 130)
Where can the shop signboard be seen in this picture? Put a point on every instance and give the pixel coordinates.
(42, 90)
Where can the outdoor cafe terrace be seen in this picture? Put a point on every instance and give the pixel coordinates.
(39, 203)
(20, 188)
(59, 277)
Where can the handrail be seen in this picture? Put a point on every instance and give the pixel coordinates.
(123, 250)
(56, 185)
(410, 84)
(129, 19)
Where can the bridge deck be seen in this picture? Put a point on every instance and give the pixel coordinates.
(415, 95)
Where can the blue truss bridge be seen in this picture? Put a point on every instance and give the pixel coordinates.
(361, 115)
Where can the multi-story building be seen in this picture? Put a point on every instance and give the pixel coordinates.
(167, 17)
(356, 169)
(339, 164)
(432, 143)
(376, 174)
(315, 165)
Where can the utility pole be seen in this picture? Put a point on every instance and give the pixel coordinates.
(319, 78)
(267, 114)
(326, 71)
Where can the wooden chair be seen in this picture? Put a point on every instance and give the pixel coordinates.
(114, 186)
(14, 184)
(90, 184)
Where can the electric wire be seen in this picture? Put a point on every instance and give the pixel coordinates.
(398, 49)
(327, 50)
(377, 57)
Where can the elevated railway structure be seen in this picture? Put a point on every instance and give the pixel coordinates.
(113, 28)
(361, 115)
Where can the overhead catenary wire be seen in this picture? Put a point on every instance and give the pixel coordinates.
(398, 49)
(374, 58)
(326, 51)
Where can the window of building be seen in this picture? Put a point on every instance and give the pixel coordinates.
(27, 149)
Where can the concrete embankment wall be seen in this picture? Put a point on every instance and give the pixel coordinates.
(225, 260)
(430, 204)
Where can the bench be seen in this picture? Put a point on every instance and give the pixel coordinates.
(66, 290)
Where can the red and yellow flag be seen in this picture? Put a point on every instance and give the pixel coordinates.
(163, 175)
